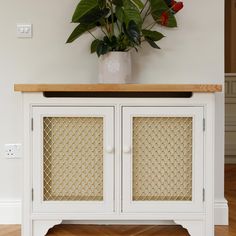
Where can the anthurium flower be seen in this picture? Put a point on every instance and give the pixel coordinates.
(177, 6)
(164, 18)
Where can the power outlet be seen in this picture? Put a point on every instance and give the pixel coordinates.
(13, 151)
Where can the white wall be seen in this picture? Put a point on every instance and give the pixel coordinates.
(193, 53)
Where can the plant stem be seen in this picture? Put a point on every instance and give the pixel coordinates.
(118, 27)
(104, 21)
(151, 25)
(147, 13)
(144, 6)
(92, 34)
(107, 26)
(112, 17)
(103, 31)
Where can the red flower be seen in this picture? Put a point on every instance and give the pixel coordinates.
(164, 18)
(177, 6)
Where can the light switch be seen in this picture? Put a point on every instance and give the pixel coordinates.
(24, 30)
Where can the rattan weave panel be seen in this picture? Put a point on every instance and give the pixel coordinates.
(73, 158)
(162, 158)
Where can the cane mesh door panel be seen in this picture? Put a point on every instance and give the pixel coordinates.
(162, 158)
(72, 158)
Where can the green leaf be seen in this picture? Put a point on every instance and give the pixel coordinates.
(133, 32)
(153, 35)
(138, 3)
(102, 48)
(122, 42)
(128, 12)
(132, 15)
(171, 21)
(83, 8)
(129, 4)
(101, 3)
(113, 41)
(117, 2)
(152, 43)
(78, 31)
(120, 14)
(94, 15)
(94, 45)
(158, 7)
(110, 42)
(106, 40)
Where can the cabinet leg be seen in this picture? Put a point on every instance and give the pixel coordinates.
(195, 228)
(41, 227)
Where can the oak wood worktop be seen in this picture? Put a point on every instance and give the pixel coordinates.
(201, 88)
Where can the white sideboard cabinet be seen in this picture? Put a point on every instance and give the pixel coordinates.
(118, 153)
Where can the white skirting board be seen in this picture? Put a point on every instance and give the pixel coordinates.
(221, 212)
(10, 213)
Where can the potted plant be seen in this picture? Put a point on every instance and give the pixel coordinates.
(124, 25)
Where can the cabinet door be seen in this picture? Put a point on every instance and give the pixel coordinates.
(73, 159)
(162, 159)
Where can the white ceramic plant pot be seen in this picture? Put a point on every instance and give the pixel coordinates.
(115, 68)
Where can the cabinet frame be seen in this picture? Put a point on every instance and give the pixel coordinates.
(197, 223)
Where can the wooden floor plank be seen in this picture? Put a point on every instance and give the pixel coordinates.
(113, 230)
(142, 230)
(9, 230)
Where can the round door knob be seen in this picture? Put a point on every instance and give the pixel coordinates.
(109, 149)
(126, 149)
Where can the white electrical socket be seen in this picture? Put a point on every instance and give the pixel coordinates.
(13, 151)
